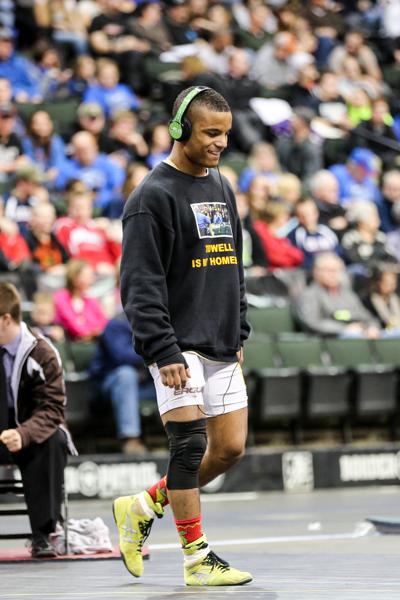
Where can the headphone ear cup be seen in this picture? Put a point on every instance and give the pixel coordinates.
(186, 130)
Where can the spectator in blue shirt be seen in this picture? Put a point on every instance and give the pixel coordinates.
(44, 147)
(17, 69)
(356, 177)
(116, 375)
(108, 93)
(309, 235)
(96, 170)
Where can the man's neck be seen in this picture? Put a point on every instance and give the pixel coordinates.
(182, 163)
(12, 334)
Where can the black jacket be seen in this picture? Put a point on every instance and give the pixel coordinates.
(181, 273)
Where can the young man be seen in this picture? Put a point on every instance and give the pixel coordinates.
(183, 291)
(32, 425)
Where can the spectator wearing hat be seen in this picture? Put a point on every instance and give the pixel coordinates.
(43, 146)
(27, 192)
(91, 118)
(356, 177)
(100, 174)
(11, 152)
(17, 69)
(108, 92)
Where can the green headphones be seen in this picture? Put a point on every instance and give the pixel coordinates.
(179, 127)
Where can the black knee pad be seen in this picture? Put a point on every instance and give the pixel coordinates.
(187, 445)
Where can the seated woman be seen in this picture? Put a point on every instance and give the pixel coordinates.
(44, 147)
(279, 252)
(383, 300)
(81, 316)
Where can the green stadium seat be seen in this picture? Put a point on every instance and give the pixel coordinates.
(271, 319)
(387, 351)
(325, 388)
(274, 392)
(81, 354)
(374, 384)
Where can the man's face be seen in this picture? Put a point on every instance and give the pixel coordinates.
(209, 137)
(5, 321)
(6, 49)
(391, 187)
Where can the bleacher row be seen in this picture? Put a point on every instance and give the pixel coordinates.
(296, 382)
(302, 380)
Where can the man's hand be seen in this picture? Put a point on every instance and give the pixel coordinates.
(11, 439)
(240, 356)
(175, 376)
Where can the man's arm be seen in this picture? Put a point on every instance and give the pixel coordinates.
(47, 393)
(146, 253)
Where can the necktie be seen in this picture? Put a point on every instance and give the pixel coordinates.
(3, 393)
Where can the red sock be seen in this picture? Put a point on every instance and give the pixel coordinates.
(189, 530)
(158, 492)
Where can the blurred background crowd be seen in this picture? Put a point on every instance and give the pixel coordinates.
(86, 90)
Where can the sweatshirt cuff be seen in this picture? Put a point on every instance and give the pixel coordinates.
(177, 358)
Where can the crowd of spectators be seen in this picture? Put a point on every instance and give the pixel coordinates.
(313, 156)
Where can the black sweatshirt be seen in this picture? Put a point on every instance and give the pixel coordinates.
(181, 274)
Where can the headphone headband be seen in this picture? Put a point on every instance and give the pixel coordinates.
(175, 126)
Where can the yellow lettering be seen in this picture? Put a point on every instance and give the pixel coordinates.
(198, 262)
(205, 261)
(212, 261)
(193, 263)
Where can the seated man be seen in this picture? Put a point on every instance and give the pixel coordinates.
(329, 307)
(115, 372)
(33, 432)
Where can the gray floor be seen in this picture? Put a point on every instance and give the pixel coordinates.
(298, 546)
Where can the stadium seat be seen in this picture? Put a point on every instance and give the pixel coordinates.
(375, 383)
(271, 319)
(81, 354)
(275, 392)
(387, 351)
(78, 399)
(325, 388)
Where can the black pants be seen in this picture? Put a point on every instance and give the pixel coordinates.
(42, 471)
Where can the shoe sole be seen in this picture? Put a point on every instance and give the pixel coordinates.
(122, 556)
(224, 585)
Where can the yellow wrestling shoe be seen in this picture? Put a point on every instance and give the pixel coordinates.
(209, 570)
(134, 516)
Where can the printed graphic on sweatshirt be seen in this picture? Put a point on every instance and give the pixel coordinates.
(212, 220)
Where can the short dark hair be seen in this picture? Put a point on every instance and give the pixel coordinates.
(10, 301)
(209, 98)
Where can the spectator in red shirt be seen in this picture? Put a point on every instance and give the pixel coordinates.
(13, 249)
(86, 238)
(280, 253)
